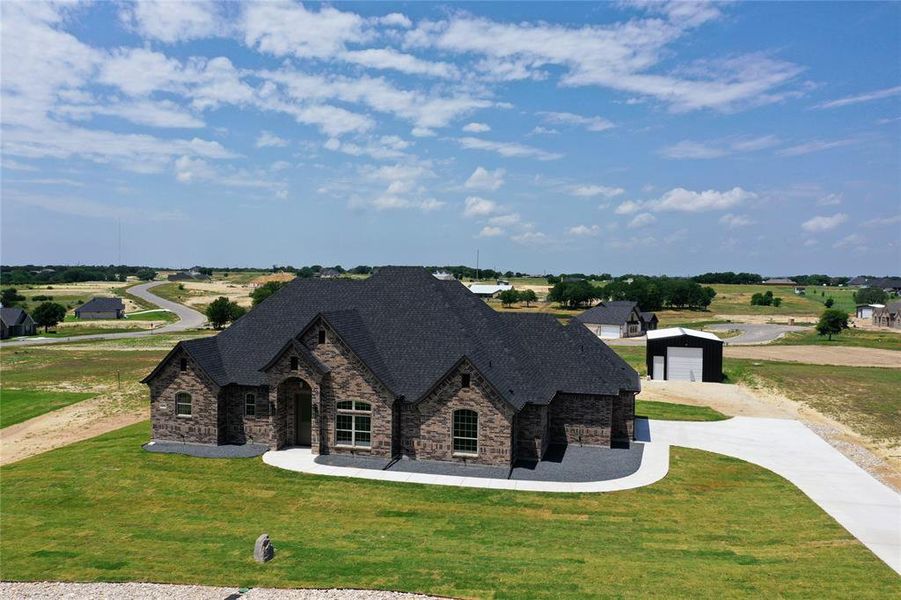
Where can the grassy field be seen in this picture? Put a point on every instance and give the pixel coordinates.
(20, 405)
(154, 315)
(866, 399)
(717, 527)
(736, 300)
(172, 292)
(676, 412)
(866, 338)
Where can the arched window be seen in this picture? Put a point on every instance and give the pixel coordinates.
(466, 432)
(250, 405)
(182, 404)
(353, 424)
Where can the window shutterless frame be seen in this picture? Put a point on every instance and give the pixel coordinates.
(250, 404)
(465, 432)
(183, 404)
(353, 424)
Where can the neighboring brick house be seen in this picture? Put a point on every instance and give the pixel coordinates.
(101, 307)
(15, 322)
(888, 315)
(399, 364)
(617, 319)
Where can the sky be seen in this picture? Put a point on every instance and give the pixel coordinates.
(624, 137)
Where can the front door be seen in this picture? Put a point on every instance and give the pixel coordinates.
(303, 414)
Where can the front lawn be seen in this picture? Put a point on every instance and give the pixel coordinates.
(717, 527)
(887, 340)
(20, 405)
(669, 411)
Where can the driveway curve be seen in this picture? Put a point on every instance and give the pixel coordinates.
(754, 333)
(188, 318)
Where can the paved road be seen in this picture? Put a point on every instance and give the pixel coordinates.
(188, 318)
(868, 509)
(754, 333)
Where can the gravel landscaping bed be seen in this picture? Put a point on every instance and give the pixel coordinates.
(206, 450)
(52, 590)
(565, 464)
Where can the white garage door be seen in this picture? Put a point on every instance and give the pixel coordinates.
(609, 331)
(684, 364)
(866, 312)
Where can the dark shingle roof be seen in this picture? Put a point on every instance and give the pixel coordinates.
(12, 316)
(102, 304)
(647, 317)
(609, 313)
(410, 329)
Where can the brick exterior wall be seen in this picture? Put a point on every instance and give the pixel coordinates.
(202, 426)
(349, 379)
(623, 426)
(532, 432)
(427, 428)
(581, 420)
(282, 421)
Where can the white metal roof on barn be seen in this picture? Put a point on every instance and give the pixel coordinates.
(656, 334)
(485, 288)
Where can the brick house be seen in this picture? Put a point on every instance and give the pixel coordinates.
(888, 315)
(617, 319)
(101, 307)
(399, 364)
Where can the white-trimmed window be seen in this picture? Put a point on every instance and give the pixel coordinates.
(182, 404)
(466, 432)
(250, 404)
(353, 424)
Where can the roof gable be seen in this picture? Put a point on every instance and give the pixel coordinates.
(102, 304)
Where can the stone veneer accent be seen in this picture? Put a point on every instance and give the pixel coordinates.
(428, 426)
(202, 427)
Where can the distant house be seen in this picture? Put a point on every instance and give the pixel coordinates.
(15, 322)
(680, 354)
(800, 290)
(865, 311)
(443, 276)
(330, 273)
(489, 290)
(888, 316)
(889, 284)
(101, 307)
(618, 319)
(780, 281)
(190, 275)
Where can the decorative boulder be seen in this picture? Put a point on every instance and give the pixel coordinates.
(263, 550)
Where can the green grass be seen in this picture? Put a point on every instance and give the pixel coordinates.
(886, 340)
(736, 300)
(716, 527)
(676, 412)
(17, 406)
(867, 399)
(171, 291)
(155, 315)
(634, 355)
(65, 332)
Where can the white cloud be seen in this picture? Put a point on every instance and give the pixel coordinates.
(490, 231)
(688, 149)
(590, 191)
(390, 59)
(479, 207)
(483, 179)
(853, 239)
(15, 165)
(628, 207)
(584, 230)
(865, 97)
(539, 130)
(682, 200)
(507, 149)
(505, 220)
(877, 222)
(395, 20)
(171, 22)
(565, 118)
(824, 223)
(830, 200)
(476, 127)
(289, 29)
(734, 221)
(267, 139)
(642, 220)
(422, 132)
(691, 149)
(531, 237)
(816, 146)
(161, 113)
(81, 207)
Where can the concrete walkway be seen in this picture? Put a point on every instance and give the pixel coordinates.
(654, 466)
(188, 318)
(868, 509)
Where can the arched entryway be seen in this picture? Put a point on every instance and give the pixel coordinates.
(296, 399)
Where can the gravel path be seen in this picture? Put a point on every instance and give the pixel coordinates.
(754, 333)
(207, 450)
(850, 356)
(52, 590)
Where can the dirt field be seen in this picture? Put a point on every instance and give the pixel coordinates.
(881, 461)
(63, 293)
(819, 355)
(204, 292)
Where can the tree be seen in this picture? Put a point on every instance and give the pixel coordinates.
(829, 302)
(573, 294)
(528, 296)
(777, 301)
(222, 311)
(11, 297)
(146, 274)
(509, 297)
(867, 295)
(48, 314)
(832, 322)
(266, 290)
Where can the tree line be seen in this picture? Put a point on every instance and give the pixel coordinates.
(651, 293)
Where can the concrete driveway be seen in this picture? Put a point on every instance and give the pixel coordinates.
(754, 333)
(188, 318)
(868, 509)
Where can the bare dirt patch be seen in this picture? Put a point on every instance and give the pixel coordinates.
(820, 355)
(204, 292)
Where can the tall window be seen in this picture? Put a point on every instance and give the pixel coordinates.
(295, 363)
(250, 405)
(466, 432)
(183, 404)
(353, 425)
